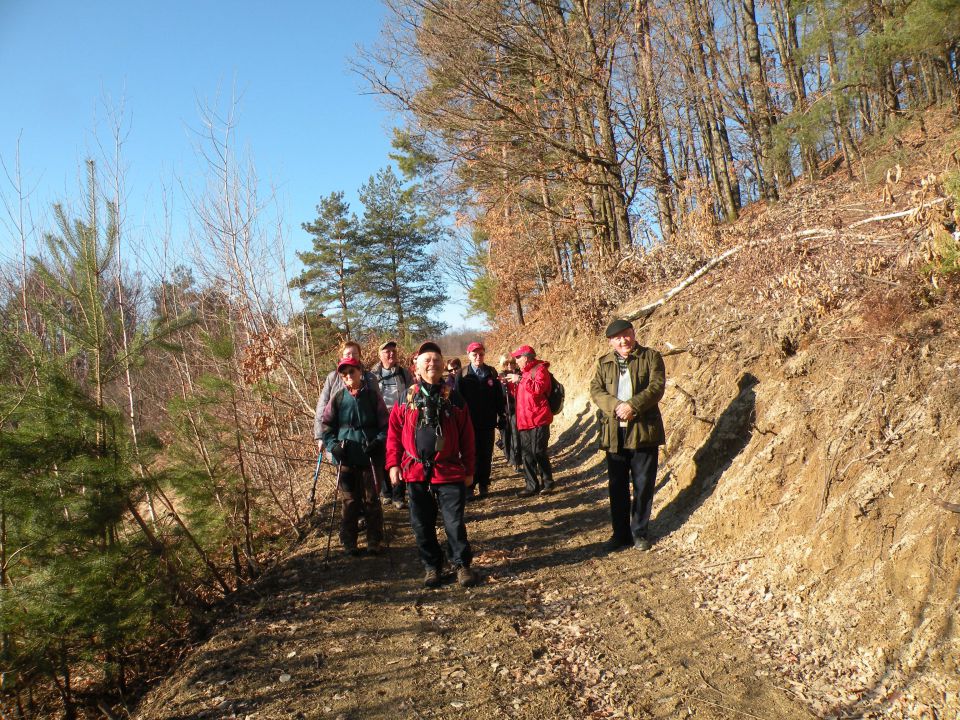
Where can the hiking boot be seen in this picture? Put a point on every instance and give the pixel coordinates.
(374, 548)
(526, 493)
(547, 489)
(466, 577)
(432, 578)
(614, 544)
(399, 504)
(351, 550)
(386, 500)
(641, 544)
(482, 492)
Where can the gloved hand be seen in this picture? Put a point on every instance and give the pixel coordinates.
(338, 452)
(374, 446)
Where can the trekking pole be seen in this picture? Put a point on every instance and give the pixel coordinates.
(333, 511)
(313, 490)
(383, 523)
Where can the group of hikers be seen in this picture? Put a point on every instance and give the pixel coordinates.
(423, 438)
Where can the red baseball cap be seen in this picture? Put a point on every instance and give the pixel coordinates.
(523, 350)
(348, 363)
(475, 346)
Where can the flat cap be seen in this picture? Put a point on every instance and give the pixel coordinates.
(618, 326)
(388, 343)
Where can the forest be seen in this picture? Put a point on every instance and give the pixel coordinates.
(156, 446)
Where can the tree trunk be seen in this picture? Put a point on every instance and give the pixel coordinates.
(762, 103)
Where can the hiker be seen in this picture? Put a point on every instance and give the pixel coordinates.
(393, 381)
(453, 373)
(430, 448)
(509, 441)
(482, 391)
(355, 431)
(627, 385)
(332, 384)
(533, 420)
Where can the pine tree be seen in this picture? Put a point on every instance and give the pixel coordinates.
(329, 282)
(76, 585)
(400, 272)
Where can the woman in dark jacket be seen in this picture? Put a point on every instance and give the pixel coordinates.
(509, 436)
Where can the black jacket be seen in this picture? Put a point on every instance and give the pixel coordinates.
(484, 397)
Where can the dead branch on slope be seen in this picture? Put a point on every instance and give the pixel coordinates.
(646, 311)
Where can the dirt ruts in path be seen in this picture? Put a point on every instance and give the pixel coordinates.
(556, 629)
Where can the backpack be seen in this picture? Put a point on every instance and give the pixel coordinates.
(556, 395)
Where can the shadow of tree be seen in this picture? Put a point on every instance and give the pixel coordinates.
(731, 433)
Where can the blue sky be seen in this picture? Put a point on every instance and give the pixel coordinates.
(302, 114)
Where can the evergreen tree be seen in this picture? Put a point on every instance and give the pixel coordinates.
(329, 281)
(75, 585)
(401, 275)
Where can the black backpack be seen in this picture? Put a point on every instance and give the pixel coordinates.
(555, 398)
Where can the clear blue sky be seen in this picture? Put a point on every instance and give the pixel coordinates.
(302, 114)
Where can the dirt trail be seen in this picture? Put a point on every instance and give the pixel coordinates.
(556, 629)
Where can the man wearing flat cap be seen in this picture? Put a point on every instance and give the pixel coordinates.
(393, 381)
(430, 448)
(627, 385)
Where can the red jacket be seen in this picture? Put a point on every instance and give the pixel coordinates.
(533, 408)
(454, 462)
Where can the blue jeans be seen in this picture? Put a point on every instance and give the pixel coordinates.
(636, 469)
(425, 500)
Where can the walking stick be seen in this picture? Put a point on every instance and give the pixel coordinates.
(333, 511)
(313, 490)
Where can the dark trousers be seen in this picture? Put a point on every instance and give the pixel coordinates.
(425, 501)
(536, 462)
(386, 488)
(483, 441)
(357, 490)
(636, 469)
(511, 441)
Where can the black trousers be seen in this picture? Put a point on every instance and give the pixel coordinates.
(511, 441)
(387, 490)
(536, 461)
(628, 469)
(483, 441)
(425, 501)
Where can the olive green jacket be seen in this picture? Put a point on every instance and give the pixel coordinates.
(649, 378)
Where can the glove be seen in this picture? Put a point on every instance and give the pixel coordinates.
(338, 452)
(374, 446)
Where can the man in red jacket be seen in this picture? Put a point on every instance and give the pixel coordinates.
(533, 421)
(430, 448)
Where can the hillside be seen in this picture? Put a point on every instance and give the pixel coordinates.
(807, 554)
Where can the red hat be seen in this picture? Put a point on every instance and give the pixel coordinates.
(475, 346)
(523, 350)
(348, 363)
(429, 346)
